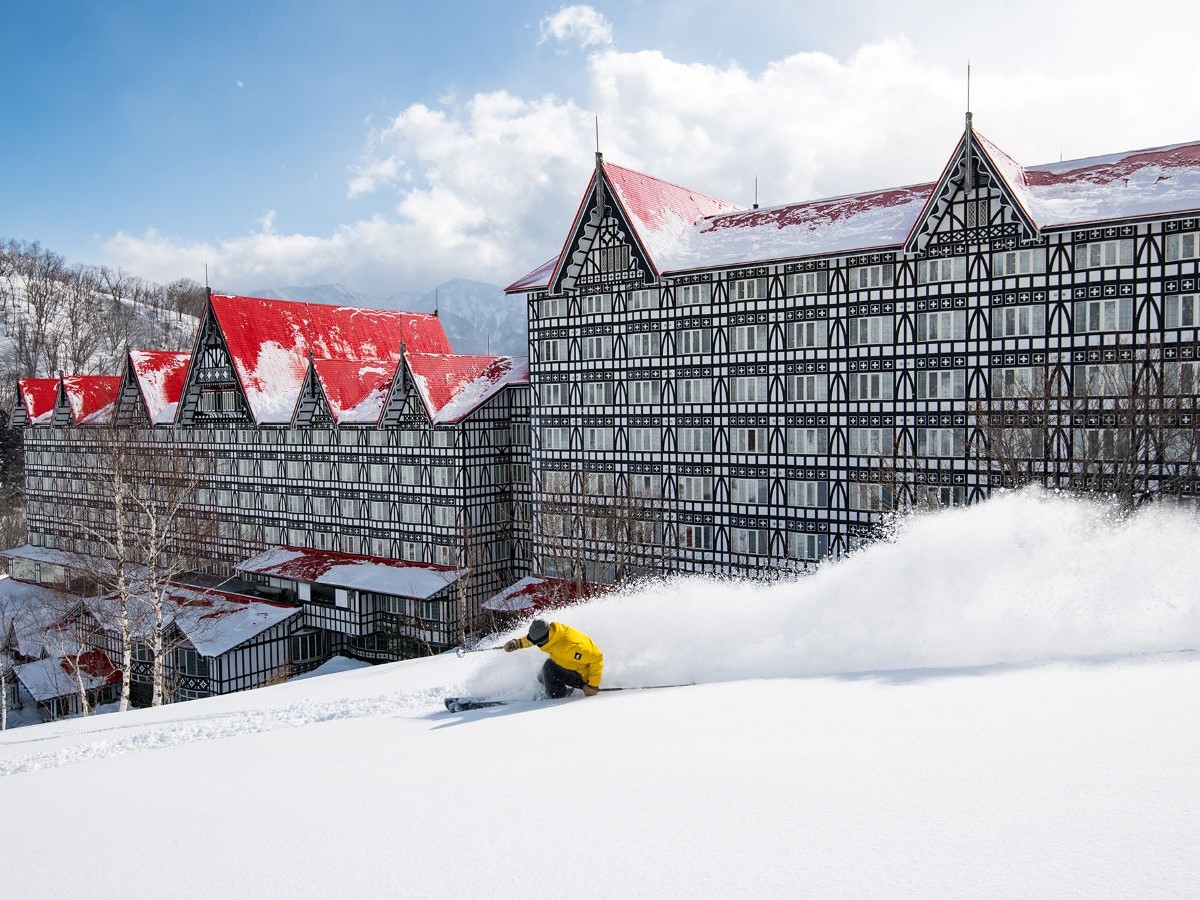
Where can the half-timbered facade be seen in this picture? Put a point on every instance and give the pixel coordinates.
(757, 387)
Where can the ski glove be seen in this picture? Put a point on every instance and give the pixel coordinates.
(590, 690)
(512, 645)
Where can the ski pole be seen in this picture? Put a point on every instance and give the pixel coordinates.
(647, 687)
(463, 651)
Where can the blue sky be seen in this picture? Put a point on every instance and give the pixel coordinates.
(392, 145)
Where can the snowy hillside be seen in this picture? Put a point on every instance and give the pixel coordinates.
(478, 317)
(1002, 701)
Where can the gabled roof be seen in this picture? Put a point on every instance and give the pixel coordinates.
(658, 211)
(39, 396)
(160, 375)
(533, 593)
(270, 341)
(356, 390)
(1158, 181)
(348, 570)
(47, 679)
(92, 398)
(30, 611)
(454, 385)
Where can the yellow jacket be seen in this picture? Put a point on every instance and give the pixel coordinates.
(572, 650)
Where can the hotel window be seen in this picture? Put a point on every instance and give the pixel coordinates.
(1018, 321)
(747, 338)
(598, 346)
(553, 307)
(613, 259)
(941, 384)
(695, 487)
(1181, 377)
(1104, 253)
(442, 437)
(934, 495)
(1018, 262)
(870, 385)
(694, 340)
(596, 304)
(864, 277)
(868, 497)
(748, 440)
(597, 438)
(870, 330)
(975, 213)
(749, 490)
(952, 268)
(1017, 382)
(599, 484)
(693, 390)
(444, 516)
(813, 494)
(642, 485)
(1103, 380)
(693, 440)
(556, 481)
(748, 289)
(803, 283)
(808, 441)
(645, 440)
(643, 343)
(1182, 246)
(597, 393)
(410, 474)
(1104, 315)
(442, 476)
(410, 512)
(1179, 311)
(944, 442)
(801, 335)
(553, 351)
(751, 541)
(807, 388)
(693, 294)
(381, 511)
(943, 325)
(869, 441)
(646, 391)
(643, 300)
(1021, 443)
(552, 393)
(1101, 443)
(749, 389)
(557, 438)
(807, 546)
(696, 537)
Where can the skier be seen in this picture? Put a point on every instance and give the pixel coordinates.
(575, 661)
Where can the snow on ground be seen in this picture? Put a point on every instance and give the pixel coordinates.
(1004, 700)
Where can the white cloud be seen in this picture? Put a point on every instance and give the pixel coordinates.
(240, 83)
(486, 188)
(579, 24)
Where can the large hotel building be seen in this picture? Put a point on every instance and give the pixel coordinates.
(708, 389)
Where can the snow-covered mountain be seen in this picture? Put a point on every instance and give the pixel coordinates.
(478, 317)
(1002, 700)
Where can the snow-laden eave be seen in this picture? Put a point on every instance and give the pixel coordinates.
(773, 260)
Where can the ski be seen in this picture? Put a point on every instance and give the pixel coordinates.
(463, 704)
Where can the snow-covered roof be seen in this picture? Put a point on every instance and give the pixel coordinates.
(454, 385)
(356, 390)
(39, 396)
(213, 621)
(270, 342)
(92, 398)
(160, 375)
(45, 554)
(31, 610)
(1157, 181)
(364, 573)
(46, 679)
(533, 593)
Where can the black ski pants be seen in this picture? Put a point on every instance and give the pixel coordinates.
(559, 681)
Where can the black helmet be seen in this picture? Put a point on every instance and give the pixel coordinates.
(539, 632)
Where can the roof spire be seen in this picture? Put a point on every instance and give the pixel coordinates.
(968, 138)
(435, 301)
(599, 155)
(755, 192)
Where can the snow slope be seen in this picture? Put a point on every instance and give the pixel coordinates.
(1002, 701)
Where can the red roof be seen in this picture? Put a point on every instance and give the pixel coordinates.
(39, 396)
(270, 342)
(94, 663)
(160, 375)
(658, 211)
(92, 398)
(356, 389)
(453, 385)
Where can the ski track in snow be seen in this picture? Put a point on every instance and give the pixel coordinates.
(189, 730)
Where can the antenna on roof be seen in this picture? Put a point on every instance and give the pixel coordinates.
(599, 155)
(206, 273)
(435, 301)
(968, 87)
(756, 192)
(969, 175)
